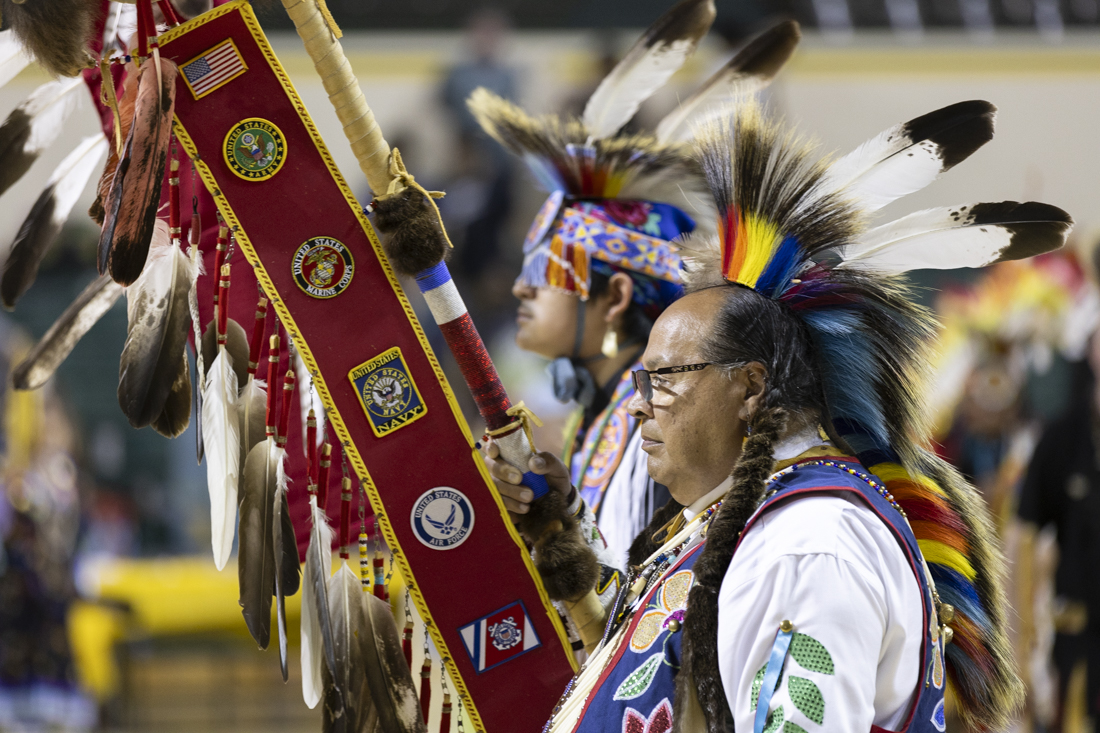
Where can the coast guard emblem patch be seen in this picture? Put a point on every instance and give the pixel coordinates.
(499, 637)
(255, 149)
(387, 392)
(442, 518)
(322, 267)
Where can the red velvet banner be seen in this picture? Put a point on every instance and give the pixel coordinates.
(320, 263)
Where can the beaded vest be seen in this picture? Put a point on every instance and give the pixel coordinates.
(634, 693)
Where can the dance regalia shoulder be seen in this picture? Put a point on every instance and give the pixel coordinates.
(632, 687)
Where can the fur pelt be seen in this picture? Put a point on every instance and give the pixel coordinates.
(699, 665)
(412, 235)
(55, 32)
(567, 565)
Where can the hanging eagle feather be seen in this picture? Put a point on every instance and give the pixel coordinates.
(221, 436)
(176, 415)
(34, 125)
(125, 121)
(236, 342)
(130, 209)
(12, 57)
(649, 63)
(157, 315)
(256, 552)
(751, 70)
(56, 33)
(58, 342)
(317, 644)
(47, 216)
(285, 545)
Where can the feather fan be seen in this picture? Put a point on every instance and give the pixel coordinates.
(34, 125)
(176, 415)
(649, 63)
(157, 314)
(960, 236)
(67, 330)
(57, 32)
(12, 57)
(131, 206)
(752, 69)
(317, 645)
(47, 216)
(909, 156)
(256, 553)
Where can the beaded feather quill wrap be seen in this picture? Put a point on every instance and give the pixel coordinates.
(794, 228)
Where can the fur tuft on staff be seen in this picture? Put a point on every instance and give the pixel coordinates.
(55, 32)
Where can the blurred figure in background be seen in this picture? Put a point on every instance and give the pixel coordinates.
(39, 518)
(1062, 490)
(479, 199)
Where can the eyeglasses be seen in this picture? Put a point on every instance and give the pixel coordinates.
(643, 382)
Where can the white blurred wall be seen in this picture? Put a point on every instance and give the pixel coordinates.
(1048, 95)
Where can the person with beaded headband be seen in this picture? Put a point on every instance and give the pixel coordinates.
(819, 568)
(600, 263)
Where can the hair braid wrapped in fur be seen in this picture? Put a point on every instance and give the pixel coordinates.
(699, 664)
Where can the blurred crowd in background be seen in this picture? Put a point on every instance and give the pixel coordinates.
(1015, 398)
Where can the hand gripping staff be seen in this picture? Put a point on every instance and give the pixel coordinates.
(332, 287)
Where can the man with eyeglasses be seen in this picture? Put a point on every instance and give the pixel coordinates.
(819, 568)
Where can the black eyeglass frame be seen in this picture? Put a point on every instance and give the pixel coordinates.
(643, 385)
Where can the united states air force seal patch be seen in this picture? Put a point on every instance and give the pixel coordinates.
(442, 518)
(322, 267)
(255, 149)
(387, 392)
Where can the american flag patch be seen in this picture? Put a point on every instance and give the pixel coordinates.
(213, 68)
(499, 637)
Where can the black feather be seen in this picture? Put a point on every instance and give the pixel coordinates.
(14, 159)
(958, 129)
(67, 330)
(176, 415)
(1035, 227)
(255, 555)
(35, 236)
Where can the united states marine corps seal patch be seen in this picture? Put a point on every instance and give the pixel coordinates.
(255, 149)
(387, 392)
(323, 267)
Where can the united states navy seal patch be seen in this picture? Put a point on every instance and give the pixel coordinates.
(323, 267)
(255, 149)
(387, 392)
(442, 518)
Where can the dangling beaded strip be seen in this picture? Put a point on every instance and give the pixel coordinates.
(407, 633)
(426, 680)
(445, 716)
(866, 478)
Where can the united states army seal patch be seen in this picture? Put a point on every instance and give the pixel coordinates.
(323, 267)
(387, 392)
(255, 149)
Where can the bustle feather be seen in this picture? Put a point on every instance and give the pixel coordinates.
(34, 125)
(156, 336)
(176, 415)
(649, 63)
(222, 442)
(748, 72)
(56, 33)
(47, 216)
(256, 552)
(317, 647)
(785, 231)
(909, 156)
(971, 235)
(12, 57)
(58, 342)
(285, 545)
(130, 208)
